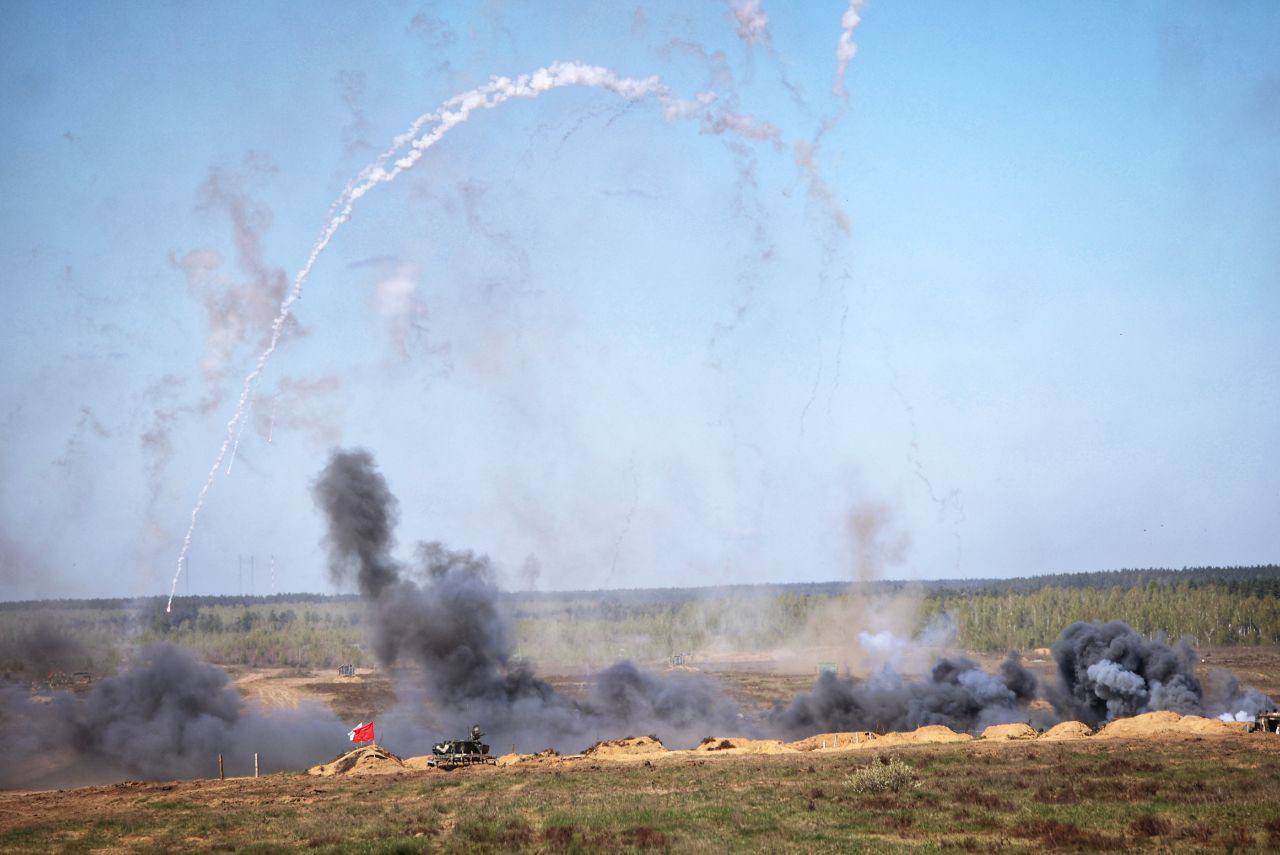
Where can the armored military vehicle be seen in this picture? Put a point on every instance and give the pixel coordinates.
(461, 752)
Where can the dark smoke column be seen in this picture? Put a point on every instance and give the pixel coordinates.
(444, 613)
(361, 512)
(449, 622)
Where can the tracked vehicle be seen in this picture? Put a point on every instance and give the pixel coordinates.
(461, 752)
(1266, 722)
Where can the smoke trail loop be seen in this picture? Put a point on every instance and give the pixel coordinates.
(383, 170)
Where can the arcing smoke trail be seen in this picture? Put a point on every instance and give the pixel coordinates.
(452, 113)
(846, 48)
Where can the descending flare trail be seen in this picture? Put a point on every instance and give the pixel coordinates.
(405, 151)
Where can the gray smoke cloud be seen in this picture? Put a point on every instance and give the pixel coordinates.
(443, 613)
(1108, 671)
(166, 716)
(956, 693)
(33, 654)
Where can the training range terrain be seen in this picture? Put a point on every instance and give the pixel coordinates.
(1180, 792)
(1154, 782)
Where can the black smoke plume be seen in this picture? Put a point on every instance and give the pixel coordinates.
(957, 693)
(1108, 671)
(167, 716)
(444, 614)
(36, 654)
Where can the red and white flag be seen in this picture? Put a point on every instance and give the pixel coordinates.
(362, 732)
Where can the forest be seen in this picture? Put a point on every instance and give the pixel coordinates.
(1213, 606)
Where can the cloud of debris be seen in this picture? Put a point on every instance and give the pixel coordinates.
(444, 614)
(168, 715)
(1108, 671)
(956, 693)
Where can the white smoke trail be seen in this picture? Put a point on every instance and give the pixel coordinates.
(271, 426)
(753, 22)
(235, 446)
(846, 49)
(449, 115)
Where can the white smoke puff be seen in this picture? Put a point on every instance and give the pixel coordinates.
(395, 300)
(743, 125)
(1124, 691)
(940, 631)
(987, 689)
(846, 48)
(1116, 678)
(883, 642)
(682, 109)
(753, 23)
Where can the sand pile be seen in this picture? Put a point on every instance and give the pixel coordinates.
(627, 748)
(1165, 724)
(930, 733)
(835, 741)
(542, 758)
(1019, 730)
(1161, 723)
(1201, 726)
(741, 745)
(366, 760)
(1068, 730)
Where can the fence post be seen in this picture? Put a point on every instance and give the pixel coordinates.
(255, 764)
(221, 775)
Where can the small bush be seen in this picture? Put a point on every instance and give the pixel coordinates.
(887, 776)
(1150, 826)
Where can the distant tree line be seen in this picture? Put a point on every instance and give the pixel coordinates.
(1213, 605)
(1210, 613)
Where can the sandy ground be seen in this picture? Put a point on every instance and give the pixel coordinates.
(755, 681)
(358, 698)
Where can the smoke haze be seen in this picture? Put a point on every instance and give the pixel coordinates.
(1108, 671)
(442, 613)
(167, 715)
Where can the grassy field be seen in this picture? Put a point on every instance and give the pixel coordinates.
(1189, 795)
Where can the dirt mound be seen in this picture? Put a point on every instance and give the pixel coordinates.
(545, 757)
(1068, 730)
(740, 745)
(1201, 726)
(1164, 725)
(1161, 723)
(627, 748)
(1020, 730)
(835, 741)
(930, 733)
(366, 760)
(419, 764)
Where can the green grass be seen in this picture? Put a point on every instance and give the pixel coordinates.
(1199, 796)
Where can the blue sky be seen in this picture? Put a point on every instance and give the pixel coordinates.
(642, 352)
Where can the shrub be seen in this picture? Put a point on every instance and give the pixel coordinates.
(890, 775)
